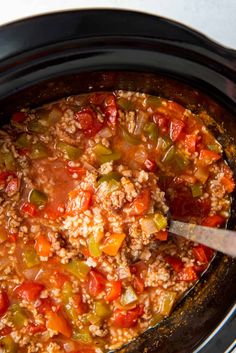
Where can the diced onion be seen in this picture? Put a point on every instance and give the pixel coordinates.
(142, 118)
(105, 133)
(148, 226)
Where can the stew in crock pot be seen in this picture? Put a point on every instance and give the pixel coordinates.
(86, 261)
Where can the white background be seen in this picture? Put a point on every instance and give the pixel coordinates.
(215, 18)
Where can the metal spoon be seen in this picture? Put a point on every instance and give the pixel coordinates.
(222, 240)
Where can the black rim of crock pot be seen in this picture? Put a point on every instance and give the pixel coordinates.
(39, 48)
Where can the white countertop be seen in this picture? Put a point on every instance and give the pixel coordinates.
(214, 18)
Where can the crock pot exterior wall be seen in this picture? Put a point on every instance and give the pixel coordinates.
(96, 50)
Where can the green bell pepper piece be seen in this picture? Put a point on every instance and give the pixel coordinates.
(196, 190)
(18, 316)
(131, 139)
(83, 335)
(93, 247)
(163, 143)
(93, 318)
(30, 258)
(70, 152)
(102, 309)
(154, 102)
(128, 297)
(180, 163)
(125, 104)
(23, 141)
(38, 151)
(151, 131)
(156, 319)
(36, 126)
(78, 268)
(160, 221)
(215, 147)
(110, 176)
(8, 344)
(169, 155)
(9, 160)
(38, 198)
(104, 154)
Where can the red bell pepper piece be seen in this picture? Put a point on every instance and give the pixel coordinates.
(141, 203)
(190, 142)
(162, 235)
(138, 284)
(34, 328)
(175, 263)
(176, 126)
(29, 291)
(5, 331)
(213, 221)
(19, 117)
(29, 209)
(113, 290)
(150, 165)
(127, 319)
(188, 274)
(207, 157)
(4, 302)
(76, 170)
(228, 183)
(96, 283)
(202, 253)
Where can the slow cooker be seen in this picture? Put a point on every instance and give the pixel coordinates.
(48, 57)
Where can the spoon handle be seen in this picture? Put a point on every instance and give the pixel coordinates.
(222, 240)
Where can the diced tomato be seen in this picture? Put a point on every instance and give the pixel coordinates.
(58, 323)
(140, 204)
(76, 170)
(127, 319)
(110, 109)
(79, 201)
(96, 283)
(34, 328)
(29, 209)
(43, 246)
(138, 284)
(162, 122)
(200, 268)
(176, 263)
(228, 183)
(53, 210)
(207, 157)
(107, 104)
(213, 221)
(138, 267)
(58, 279)
(188, 274)
(184, 207)
(86, 117)
(150, 165)
(4, 302)
(29, 291)
(45, 305)
(23, 151)
(113, 290)
(5, 331)
(176, 126)
(161, 235)
(202, 253)
(176, 108)
(3, 178)
(19, 117)
(190, 142)
(85, 251)
(80, 306)
(12, 237)
(12, 186)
